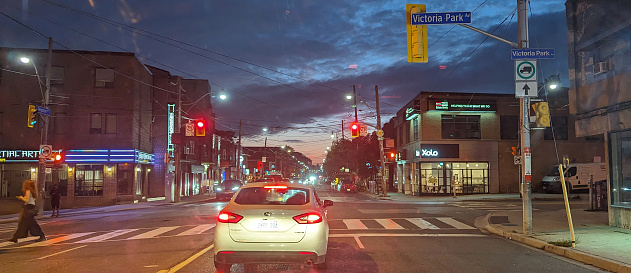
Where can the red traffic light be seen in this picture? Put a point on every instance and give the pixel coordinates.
(393, 154)
(57, 157)
(200, 124)
(200, 127)
(354, 129)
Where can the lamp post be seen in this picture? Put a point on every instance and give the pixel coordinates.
(41, 174)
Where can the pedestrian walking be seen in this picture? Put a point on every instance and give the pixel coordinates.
(27, 221)
(55, 197)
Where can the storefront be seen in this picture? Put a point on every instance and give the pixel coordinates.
(15, 167)
(620, 178)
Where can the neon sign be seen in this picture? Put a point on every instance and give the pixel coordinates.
(170, 128)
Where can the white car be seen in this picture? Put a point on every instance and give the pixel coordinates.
(272, 222)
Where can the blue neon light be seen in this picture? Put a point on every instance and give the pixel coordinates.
(123, 156)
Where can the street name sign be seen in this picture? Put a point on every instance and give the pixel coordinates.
(526, 70)
(42, 110)
(525, 89)
(441, 18)
(532, 53)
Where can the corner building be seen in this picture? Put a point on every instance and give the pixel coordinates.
(463, 143)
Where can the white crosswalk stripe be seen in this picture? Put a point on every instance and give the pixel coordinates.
(354, 224)
(452, 222)
(112, 235)
(423, 224)
(488, 206)
(389, 224)
(433, 223)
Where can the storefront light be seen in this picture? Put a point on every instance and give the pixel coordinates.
(138, 169)
(467, 165)
(69, 169)
(32, 170)
(148, 170)
(109, 168)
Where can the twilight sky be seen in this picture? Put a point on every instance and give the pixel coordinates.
(285, 63)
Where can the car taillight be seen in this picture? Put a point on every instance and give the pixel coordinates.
(282, 187)
(308, 218)
(228, 217)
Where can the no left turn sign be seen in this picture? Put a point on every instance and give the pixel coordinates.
(45, 151)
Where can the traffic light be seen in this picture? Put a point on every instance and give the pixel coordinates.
(32, 116)
(543, 114)
(354, 129)
(514, 150)
(391, 155)
(200, 127)
(57, 158)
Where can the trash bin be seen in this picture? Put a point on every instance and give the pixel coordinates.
(600, 195)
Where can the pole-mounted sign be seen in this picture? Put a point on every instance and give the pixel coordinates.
(525, 78)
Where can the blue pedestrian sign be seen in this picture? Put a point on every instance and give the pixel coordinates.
(43, 110)
(441, 18)
(532, 53)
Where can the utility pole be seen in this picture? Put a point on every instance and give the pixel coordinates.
(522, 37)
(264, 157)
(178, 147)
(355, 102)
(239, 154)
(342, 130)
(41, 175)
(382, 170)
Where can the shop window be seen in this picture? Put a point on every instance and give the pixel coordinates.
(460, 126)
(557, 129)
(96, 123)
(110, 123)
(57, 75)
(88, 180)
(620, 172)
(124, 179)
(104, 78)
(509, 127)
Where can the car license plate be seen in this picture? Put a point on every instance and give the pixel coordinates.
(267, 225)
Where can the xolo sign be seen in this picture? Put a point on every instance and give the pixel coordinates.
(429, 153)
(439, 151)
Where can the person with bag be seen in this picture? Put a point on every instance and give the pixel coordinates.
(55, 196)
(27, 221)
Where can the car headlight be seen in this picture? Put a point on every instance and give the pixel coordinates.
(218, 189)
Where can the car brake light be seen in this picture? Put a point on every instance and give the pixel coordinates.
(275, 187)
(308, 218)
(228, 217)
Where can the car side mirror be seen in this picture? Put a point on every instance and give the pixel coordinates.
(328, 203)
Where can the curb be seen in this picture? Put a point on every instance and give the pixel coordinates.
(600, 262)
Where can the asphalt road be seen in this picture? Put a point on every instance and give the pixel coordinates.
(367, 235)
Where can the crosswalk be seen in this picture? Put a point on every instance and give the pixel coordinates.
(433, 223)
(111, 235)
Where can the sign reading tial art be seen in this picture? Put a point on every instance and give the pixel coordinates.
(461, 105)
(18, 155)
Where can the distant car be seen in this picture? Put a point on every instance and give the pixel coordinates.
(227, 188)
(272, 223)
(347, 186)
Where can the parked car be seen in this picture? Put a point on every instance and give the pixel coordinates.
(272, 223)
(227, 188)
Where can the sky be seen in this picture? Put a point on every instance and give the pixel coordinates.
(287, 65)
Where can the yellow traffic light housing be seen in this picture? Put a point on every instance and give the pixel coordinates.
(417, 35)
(354, 129)
(543, 114)
(32, 116)
(200, 127)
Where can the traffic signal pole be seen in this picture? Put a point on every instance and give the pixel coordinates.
(41, 174)
(522, 36)
(382, 170)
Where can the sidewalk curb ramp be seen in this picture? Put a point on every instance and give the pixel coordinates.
(600, 262)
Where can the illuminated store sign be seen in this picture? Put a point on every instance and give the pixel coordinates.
(19, 156)
(170, 128)
(109, 156)
(439, 151)
(462, 105)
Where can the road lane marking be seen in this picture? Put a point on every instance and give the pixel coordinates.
(60, 252)
(419, 222)
(106, 236)
(58, 239)
(153, 233)
(354, 224)
(197, 230)
(187, 261)
(389, 224)
(403, 235)
(359, 243)
(452, 222)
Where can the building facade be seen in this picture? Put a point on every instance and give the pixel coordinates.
(462, 143)
(599, 37)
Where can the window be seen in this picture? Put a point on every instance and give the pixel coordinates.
(96, 124)
(460, 127)
(59, 123)
(104, 78)
(272, 196)
(407, 132)
(558, 126)
(124, 179)
(89, 180)
(415, 126)
(509, 127)
(110, 123)
(620, 172)
(57, 75)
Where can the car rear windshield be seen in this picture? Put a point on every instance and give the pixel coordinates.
(229, 184)
(347, 181)
(272, 196)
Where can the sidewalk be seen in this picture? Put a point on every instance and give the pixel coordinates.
(597, 243)
(10, 209)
